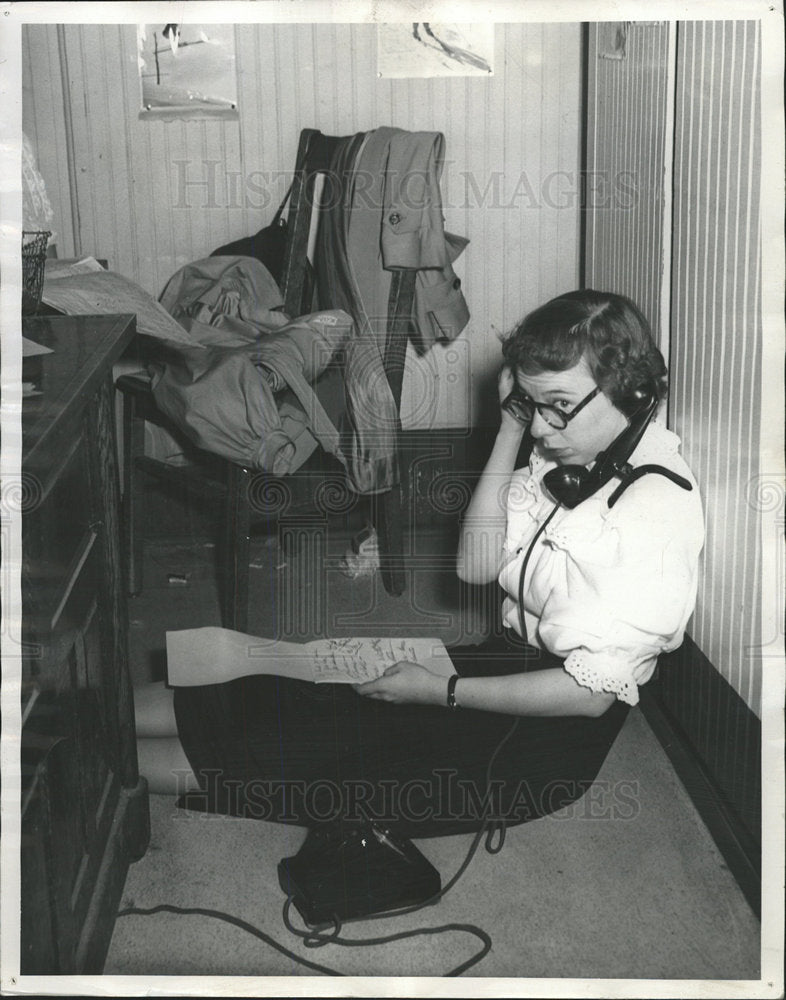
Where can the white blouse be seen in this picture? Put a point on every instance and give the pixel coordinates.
(608, 590)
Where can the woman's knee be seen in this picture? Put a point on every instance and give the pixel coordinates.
(165, 765)
(154, 710)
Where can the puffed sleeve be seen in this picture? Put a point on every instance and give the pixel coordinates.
(626, 585)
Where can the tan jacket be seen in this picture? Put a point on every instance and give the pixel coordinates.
(224, 392)
(413, 233)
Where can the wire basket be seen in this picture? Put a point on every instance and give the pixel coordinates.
(34, 246)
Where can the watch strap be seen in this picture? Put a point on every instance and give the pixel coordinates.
(452, 691)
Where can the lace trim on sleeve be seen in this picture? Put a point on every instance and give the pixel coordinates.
(625, 688)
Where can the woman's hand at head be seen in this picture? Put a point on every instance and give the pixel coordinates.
(506, 383)
(406, 682)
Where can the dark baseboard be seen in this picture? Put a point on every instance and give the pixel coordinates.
(697, 716)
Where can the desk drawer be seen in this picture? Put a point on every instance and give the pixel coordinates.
(63, 606)
(58, 530)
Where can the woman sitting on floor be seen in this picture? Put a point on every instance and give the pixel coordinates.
(595, 591)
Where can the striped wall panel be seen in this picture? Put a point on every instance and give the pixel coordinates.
(625, 195)
(716, 330)
(707, 122)
(152, 195)
(695, 109)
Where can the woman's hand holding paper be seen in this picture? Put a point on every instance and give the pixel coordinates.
(405, 681)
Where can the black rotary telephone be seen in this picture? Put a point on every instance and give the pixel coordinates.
(570, 485)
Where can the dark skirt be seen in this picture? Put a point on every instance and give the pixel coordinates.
(271, 748)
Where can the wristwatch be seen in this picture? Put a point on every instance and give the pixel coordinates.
(452, 691)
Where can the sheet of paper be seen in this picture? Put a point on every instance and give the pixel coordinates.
(99, 292)
(356, 660)
(30, 349)
(212, 655)
(57, 268)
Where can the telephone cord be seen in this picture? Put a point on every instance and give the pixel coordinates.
(315, 938)
(524, 566)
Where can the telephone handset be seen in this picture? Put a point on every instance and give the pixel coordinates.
(570, 485)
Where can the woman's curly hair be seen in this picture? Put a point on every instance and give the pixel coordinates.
(606, 329)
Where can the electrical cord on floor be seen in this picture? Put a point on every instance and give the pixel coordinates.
(139, 911)
(316, 938)
(202, 911)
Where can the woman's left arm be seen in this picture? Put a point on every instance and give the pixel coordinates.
(630, 588)
(541, 692)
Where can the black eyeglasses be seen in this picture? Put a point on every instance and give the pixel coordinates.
(519, 405)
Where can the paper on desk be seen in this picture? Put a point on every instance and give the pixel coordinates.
(56, 268)
(103, 292)
(212, 655)
(30, 349)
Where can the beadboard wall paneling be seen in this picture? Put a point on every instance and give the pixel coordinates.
(627, 78)
(152, 195)
(698, 117)
(717, 329)
(712, 239)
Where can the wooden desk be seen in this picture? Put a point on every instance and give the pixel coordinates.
(84, 806)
